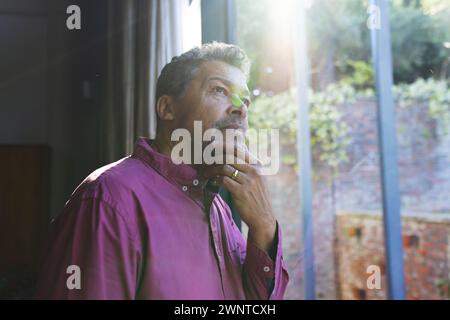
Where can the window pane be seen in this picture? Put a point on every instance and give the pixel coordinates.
(423, 133)
(264, 31)
(347, 196)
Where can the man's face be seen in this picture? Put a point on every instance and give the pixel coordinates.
(208, 98)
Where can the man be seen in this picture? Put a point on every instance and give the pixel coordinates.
(145, 227)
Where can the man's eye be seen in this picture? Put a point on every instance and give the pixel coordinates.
(220, 90)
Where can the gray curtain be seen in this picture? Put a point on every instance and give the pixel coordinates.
(142, 36)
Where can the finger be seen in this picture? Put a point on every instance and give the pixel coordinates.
(232, 186)
(248, 169)
(226, 170)
(230, 151)
(216, 169)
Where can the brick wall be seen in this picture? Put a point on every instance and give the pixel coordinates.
(424, 180)
(426, 255)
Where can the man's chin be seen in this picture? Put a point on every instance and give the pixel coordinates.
(233, 128)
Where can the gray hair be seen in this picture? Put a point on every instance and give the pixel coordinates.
(181, 69)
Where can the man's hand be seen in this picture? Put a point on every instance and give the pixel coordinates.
(250, 194)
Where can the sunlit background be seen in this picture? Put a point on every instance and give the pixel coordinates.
(347, 201)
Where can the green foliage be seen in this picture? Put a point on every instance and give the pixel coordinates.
(418, 32)
(339, 40)
(417, 43)
(436, 95)
(443, 285)
(330, 135)
(362, 75)
(250, 20)
(338, 35)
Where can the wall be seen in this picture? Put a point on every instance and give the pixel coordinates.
(426, 255)
(43, 68)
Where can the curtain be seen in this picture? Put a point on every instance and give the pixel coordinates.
(141, 37)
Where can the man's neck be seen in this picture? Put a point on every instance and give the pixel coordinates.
(161, 144)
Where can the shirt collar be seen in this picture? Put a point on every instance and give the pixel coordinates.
(184, 176)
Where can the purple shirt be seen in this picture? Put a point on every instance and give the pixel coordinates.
(137, 229)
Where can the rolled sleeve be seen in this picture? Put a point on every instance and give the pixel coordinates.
(264, 278)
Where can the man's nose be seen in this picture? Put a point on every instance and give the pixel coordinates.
(241, 110)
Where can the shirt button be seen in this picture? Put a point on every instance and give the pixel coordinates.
(184, 188)
(195, 182)
(266, 269)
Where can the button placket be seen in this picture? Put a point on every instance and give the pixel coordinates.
(216, 239)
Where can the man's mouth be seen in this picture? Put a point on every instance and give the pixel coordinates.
(233, 122)
(235, 127)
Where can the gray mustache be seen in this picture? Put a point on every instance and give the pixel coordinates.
(230, 120)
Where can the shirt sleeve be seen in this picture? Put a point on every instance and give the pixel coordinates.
(92, 235)
(264, 278)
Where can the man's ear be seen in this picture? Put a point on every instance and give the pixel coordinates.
(165, 107)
